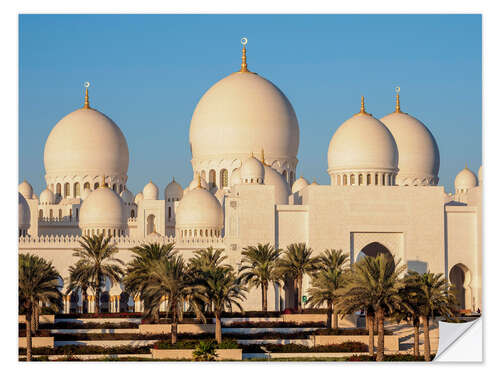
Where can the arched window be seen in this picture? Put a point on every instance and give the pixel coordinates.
(76, 212)
(40, 214)
(121, 188)
(114, 232)
(352, 180)
(369, 179)
(132, 213)
(86, 185)
(114, 187)
(383, 179)
(201, 232)
(190, 233)
(169, 213)
(285, 175)
(376, 178)
(292, 178)
(360, 179)
(206, 232)
(223, 178)
(51, 214)
(211, 178)
(58, 189)
(150, 224)
(60, 214)
(96, 185)
(338, 179)
(66, 189)
(70, 214)
(76, 189)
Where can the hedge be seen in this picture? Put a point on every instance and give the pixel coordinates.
(273, 324)
(346, 347)
(388, 358)
(191, 344)
(90, 349)
(347, 332)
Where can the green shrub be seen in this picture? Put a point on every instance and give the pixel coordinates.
(90, 349)
(347, 332)
(388, 358)
(205, 351)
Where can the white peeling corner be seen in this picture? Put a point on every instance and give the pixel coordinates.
(460, 342)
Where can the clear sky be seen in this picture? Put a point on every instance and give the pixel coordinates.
(149, 71)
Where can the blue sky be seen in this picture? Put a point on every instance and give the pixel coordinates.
(149, 71)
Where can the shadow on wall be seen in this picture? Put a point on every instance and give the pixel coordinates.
(417, 266)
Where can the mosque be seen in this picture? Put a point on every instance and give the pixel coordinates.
(383, 194)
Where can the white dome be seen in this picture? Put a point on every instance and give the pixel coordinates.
(465, 180)
(150, 191)
(127, 196)
(173, 191)
(236, 177)
(480, 175)
(24, 213)
(418, 153)
(199, 208)
(300, 184)
(26, 189)
(138, 197)
(86, 142)
(281, 187)
(240, 114)
(85, 193)
(194, 183)
(252, 171)
(103, 208)
(362, 143)
(47, 197)
(314, 183)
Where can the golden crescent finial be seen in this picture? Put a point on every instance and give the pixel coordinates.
(398, 106)
(103, 181)
(244, 68)
(86, 103)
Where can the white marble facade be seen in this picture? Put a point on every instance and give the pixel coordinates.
(244, 137)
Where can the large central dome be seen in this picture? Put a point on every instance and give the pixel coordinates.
(239, 115)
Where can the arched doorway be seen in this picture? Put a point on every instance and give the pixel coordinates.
(460, 278)
(374, 249)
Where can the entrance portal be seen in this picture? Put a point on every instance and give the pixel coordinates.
(460, 278)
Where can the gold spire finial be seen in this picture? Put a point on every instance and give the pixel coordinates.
(199, 180)
(398, 107)
(103, 181)
(262, 158)
(86, 103)
(244, 68)
(362, 105)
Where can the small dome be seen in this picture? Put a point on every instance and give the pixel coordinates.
(465, 180)
(299, 184)
(127, 196)
(418, 153)
(252, 171)
(72, 147)
(236, 177)
(281, 187)
(102, 209)
(194, 183)
(362, 143)
(173, 191)
(138, 197)
(85, 193)
(314, 183)
(47, 197)
(480, 175)
(26, 189)
(199, 209)
(24, 213)
(150, 191)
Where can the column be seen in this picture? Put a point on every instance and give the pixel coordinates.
(137, 303)
(66, 303)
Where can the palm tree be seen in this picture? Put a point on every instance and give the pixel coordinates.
(79, 279)
(169, 277)
(374, 284)
(96, 259)
(205, 259)
(297, 262)
(38, 283)
(259, 268)
(435, 298)
(222, 289)
(326, 281)
(138, 269)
